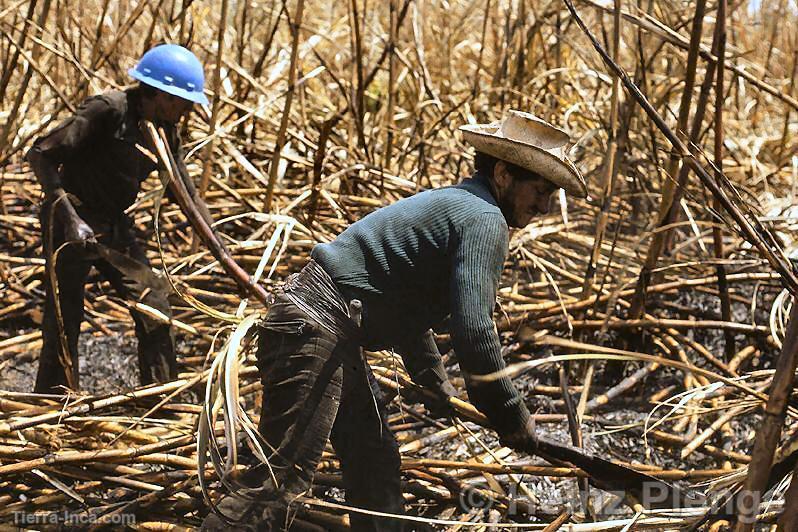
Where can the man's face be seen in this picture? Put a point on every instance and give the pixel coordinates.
(522, 197)
(170, 109)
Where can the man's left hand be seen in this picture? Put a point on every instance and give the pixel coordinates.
(435, 393)
(439, 406)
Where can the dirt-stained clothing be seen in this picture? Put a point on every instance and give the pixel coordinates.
(413, 263)
(131, 277)
(101, 164)
(103, 155)
(319, 387)
(410, 264)
(316, 387)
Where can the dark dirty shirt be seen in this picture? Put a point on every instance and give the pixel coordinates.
(97, 156)
(413, 263)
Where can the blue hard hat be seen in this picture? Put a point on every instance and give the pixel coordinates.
(173, 69)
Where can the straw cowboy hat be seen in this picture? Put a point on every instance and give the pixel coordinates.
(531, 143)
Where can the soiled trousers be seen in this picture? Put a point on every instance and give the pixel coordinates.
(126, 267)
(315, 386)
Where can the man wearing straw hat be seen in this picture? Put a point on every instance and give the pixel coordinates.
(91, 167)
(410, 265)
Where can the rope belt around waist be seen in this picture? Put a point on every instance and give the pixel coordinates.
(315, 293)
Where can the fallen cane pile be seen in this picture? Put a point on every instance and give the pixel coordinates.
(673, 389)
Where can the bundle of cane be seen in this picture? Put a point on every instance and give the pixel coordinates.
(221, 398)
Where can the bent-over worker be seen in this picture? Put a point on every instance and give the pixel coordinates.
(411, 264)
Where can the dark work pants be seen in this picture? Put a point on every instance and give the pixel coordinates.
(138, 283)
(315, 386)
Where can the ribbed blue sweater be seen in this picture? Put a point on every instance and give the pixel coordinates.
(413, 263)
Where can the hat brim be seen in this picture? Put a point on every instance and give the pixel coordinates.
(560, 172)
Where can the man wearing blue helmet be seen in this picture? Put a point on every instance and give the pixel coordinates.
(91, 167)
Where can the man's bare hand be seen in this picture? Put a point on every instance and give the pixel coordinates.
(436, 391)
(76, 230)
(523, 439)
(438, 405)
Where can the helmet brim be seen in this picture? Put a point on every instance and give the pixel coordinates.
(196, 97)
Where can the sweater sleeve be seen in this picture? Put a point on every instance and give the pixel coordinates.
(477, 262)
(420, 353)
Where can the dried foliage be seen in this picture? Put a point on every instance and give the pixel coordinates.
(666, 320)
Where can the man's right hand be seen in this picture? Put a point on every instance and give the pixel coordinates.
(76, 230)
(522, 439)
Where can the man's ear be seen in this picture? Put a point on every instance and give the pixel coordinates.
(501, 175)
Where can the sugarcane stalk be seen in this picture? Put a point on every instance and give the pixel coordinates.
(296, 26)
(610, 172)
(752, 230)
(90, 406)
(520, 55)
(95, 50)
(668, 185)
(389, 112)
(215, 103)
(769, 430)
(11, 117)
(557, 523)
(626, 384)
(72, 457)
(10, 67)
(575, 430)
(707, 433)
(665, 32)
(717, 233)
(358, 88)
(655, 323)
(196, 220)
(243, 25)
(485, 19)
(786, 129)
